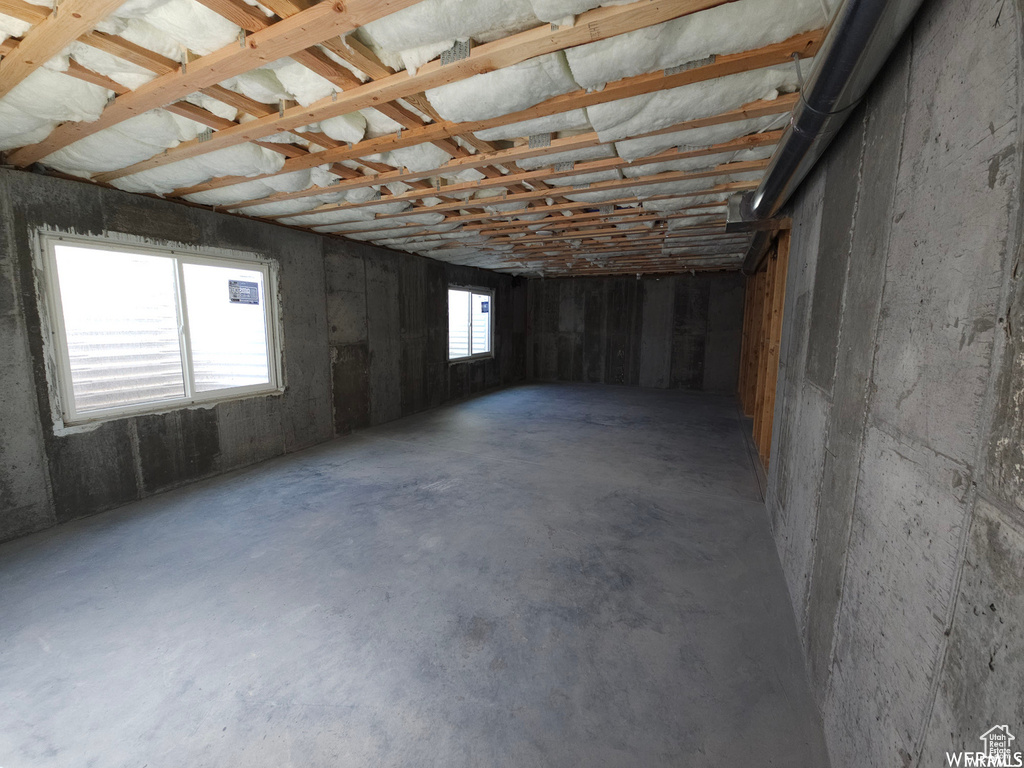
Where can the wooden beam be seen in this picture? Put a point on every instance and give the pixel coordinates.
(50, 36)
(616, 245)
(23, 11)
(79, 72)
(727, 187)
(359, 56)
(437, 131)
(240, 13)
(129, 51)
(506, 156)
(286, 8)
(557, 223)
(658, 178)
(597, 24)
(320, 22)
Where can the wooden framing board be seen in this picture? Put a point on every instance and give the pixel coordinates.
(764, 309)
(433, 74)
(319, 22)
(50, 36)
(766, 56)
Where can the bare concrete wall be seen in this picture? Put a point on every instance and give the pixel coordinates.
(895, 490)
(397, 303)
(682, 331)
(388, 330)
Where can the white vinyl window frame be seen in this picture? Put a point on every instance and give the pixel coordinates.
(471, 289)
(56, 338)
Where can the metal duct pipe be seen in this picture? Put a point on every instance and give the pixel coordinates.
(859, 40)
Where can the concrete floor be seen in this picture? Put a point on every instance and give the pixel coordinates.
(550, 575)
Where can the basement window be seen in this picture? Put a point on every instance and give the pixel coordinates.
(469, 323)
(138, 330)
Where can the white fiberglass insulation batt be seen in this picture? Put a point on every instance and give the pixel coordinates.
(531, 216)
(465, 175)
(330, 217)
(574, 120)
(679, 203)
(240, 160)
(418, 158)
(305, 85)
(260, 85)
(695, 221)
(381, 235)
(505, 207)
(398, 221)
(361, 194)
(136, 139)
(220, 109)
(351, 127)
(584, 178)
(165, 26)
(253, 190)
(660, 188)
(570, 156)
(652, 111)
(416, 34)
(117, 69)
(698, 163)
(692, 185)
(694, 138)
(503, 91)
(379, 124)
(282, 207)
(364, 214)
(730, 28)
(397, 187)
(12, 27)
(45, 98)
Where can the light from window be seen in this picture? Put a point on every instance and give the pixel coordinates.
(139, 331)
(469, 323)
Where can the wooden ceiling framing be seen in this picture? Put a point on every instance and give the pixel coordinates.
(557, 234)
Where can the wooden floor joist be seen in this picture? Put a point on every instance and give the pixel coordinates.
(319, 22)
(49, 37)
(630, 86)
(572, 236)
(604, 22)
(725, 169)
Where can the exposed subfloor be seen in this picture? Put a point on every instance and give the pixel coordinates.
(551, 575)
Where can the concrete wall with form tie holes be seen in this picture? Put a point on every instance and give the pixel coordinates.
(896, 489)
(364, 342)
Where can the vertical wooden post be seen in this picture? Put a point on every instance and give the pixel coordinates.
(774, 334)
(762, 354)
(762, 336)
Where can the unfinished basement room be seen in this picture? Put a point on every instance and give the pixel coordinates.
(511, 384)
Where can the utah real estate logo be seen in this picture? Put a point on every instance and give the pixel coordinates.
(998, 751)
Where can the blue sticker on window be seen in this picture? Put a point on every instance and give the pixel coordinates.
(241, 292)
(484, 306)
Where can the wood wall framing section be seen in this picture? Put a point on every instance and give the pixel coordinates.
(764, 308)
